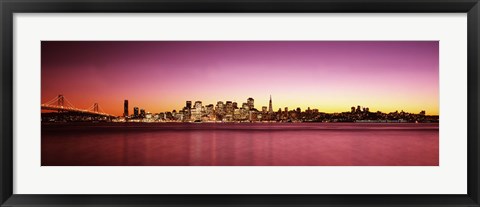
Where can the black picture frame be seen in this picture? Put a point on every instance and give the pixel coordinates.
(9, 7)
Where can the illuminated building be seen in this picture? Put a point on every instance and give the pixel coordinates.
(179, 116)
(229, 108)
(148, 115)
(209, 111)
(252, 115)
(135, 112)
(264, 109)
(250, 103)
(198, 106)
(245, 106)
(197, 111)
(237, 114)
(220, 107)
(188, 111)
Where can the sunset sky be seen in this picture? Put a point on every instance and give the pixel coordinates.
(161, 75)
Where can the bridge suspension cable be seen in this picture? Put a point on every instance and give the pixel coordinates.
(61, 103)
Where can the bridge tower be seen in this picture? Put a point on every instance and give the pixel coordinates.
(95, 107)
(61, 102)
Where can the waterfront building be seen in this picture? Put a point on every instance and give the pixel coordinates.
(245, 106)
(135, 112)
(179, 116)
(197, 111)
(148, 115)
(168, 116)
(237, 114)
(220, 107)
(229, 108)
(198, 105)
(125, 108)
(252, 115)
(210, 112)
(187, 111)
(250, 103)
(270, 108)
(264, 109)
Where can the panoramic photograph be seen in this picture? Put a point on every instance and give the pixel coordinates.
(240, 103)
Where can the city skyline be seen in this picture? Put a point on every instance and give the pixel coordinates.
(130, 108)
(228, 111)
(326, 75)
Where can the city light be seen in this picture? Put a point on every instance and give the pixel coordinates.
(230, 112)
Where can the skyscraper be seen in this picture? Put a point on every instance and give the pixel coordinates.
(270, 109)
(188, 110)
(264, 109)
(229, 107)
(198, 105)
(125, 108)
(219, 109)
(250, 103)
(135, 112)
(197, 111)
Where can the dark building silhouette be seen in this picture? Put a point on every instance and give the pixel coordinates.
(270, 109)
(125, 108)
(135, 112)
(250, 103)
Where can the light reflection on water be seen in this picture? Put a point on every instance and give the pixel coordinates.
(279, 144)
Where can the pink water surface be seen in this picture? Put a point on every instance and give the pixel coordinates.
(256, 144)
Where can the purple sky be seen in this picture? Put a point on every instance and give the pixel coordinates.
(160, 76)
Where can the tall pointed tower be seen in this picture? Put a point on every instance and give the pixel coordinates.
(270, 108)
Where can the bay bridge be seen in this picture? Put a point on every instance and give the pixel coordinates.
(61, 104)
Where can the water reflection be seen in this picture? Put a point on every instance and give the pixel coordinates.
(316, 144)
